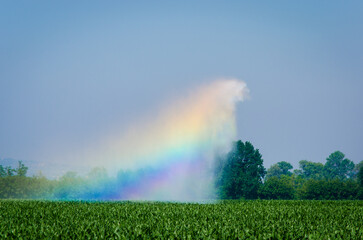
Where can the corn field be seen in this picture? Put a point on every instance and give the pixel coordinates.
(275, 219)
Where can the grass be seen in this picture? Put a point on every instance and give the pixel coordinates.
(149, 220)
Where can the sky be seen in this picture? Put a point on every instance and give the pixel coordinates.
(71, 73)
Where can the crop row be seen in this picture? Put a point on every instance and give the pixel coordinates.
(143, 220)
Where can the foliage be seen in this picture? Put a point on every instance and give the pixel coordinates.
(360, 181)
(333, 189)
(279, 169)
(21, 170)
(356, 169)
(337, 166)
(239, 174)
(25, 187)
(360, 176)
(69, 186)
(7, 171)
(242, 173)
(2, 171)
(278, 188)
(310, 170)
(154, 220)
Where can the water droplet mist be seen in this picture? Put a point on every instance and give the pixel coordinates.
(171, 156)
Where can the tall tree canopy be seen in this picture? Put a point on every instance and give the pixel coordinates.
(337, 166)
(279, 169)
(310, 170)
(242, 172)
(357, 168)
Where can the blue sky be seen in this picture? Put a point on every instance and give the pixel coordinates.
(72, 72)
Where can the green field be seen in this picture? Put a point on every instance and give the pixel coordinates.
(223, 220)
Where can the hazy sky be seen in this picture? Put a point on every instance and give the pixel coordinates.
(70, 73)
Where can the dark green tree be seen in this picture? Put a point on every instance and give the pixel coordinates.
(337, 166)
(335, 189)
(360, 181)
(285, 168)
(279, 169)
(2, 171)
(310, 170)
(9, 171)
(242, 172)
(281, 187)
(360, 176)
(356, 169)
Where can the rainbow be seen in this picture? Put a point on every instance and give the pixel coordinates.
(171, 156)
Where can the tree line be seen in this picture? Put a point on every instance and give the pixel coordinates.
(242, 175)
(239, 174)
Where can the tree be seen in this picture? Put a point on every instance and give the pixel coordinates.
(360, 176)
(335, 189)
(360, 181)
(9, 171)
(242, 172)
(279, 169)
(69, 186)
(2, 171)
(281, 187)
(285, 168)
(337, 166)
(356, 169)
(22, 169)
(310, 170)
(97, 184)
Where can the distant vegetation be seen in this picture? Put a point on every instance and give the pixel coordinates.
(240, 174)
